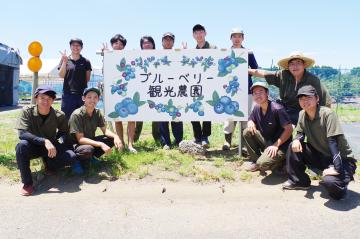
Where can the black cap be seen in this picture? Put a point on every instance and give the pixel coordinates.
(94, 89)
(306, 90)
(45, 89)
(169, 34)
(76, 40)
(198, 27)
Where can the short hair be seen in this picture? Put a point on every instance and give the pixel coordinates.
(118, 37)
(198, 27)
(148, 38)
(76, 40)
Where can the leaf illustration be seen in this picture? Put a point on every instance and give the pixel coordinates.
(141, 103)
(170, 102)
(240, 60)
(222, 74)
(136, 98)
(215, 96)
(113, 115)
(239, 113)
(210, 102)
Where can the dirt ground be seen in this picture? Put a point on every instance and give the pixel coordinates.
(155, 208)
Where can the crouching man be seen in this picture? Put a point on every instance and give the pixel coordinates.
(40, 126)
(83, 124)
(268, 131)
(326, 148)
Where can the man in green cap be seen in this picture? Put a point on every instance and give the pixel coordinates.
(268, 131)
(83, 124)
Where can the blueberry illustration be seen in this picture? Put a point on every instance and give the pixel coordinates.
(113, 89)
(201, 113)
(178, 114)
(201, 108)
(126, 101)
(221, 68)
(197, 103)
(219, 108)
(118, 106)
(124, 74)
(123, 112)
(132, 108)
(229, 109)
(151, 106)
(236, 105)
(119, 91)
(163, 109)
(225, 100)
(196, 109)
(235, 78)
(228, 90)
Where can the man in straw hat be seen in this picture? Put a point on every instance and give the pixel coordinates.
(290, 79)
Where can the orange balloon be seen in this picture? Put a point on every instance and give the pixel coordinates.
(35, 48)
(34, 64)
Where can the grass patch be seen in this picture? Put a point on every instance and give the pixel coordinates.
(215, 166)
(227, 174)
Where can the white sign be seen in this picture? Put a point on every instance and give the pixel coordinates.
(178, 85)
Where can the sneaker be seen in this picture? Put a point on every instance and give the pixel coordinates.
(205, 142)
(291, 186)
(197, 141)
(27, 190)
(226, 146)
(166, 147)
(77, 168)
(252, 167)
(133, 150)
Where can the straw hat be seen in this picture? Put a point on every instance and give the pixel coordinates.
(284, 63)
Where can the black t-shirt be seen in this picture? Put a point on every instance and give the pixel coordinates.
(75, 76)
(271, 124)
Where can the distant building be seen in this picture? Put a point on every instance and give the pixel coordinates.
(10, 62)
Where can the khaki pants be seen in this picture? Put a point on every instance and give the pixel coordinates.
(256, 145)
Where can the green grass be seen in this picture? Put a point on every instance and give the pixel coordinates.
(348, 113)
(151, 159)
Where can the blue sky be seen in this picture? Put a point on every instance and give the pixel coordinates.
(326, 30)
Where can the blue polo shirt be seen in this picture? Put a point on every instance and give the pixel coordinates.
(271, 125)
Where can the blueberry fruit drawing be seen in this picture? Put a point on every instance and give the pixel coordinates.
(119, 87)
(233, 85)
(197, 106)
(128, 106)
(225, 104)
(127, 70)
(226, 65)
(168, 108)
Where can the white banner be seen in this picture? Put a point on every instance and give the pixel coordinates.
(178, 85)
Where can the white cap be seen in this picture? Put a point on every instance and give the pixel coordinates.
(236, 30)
